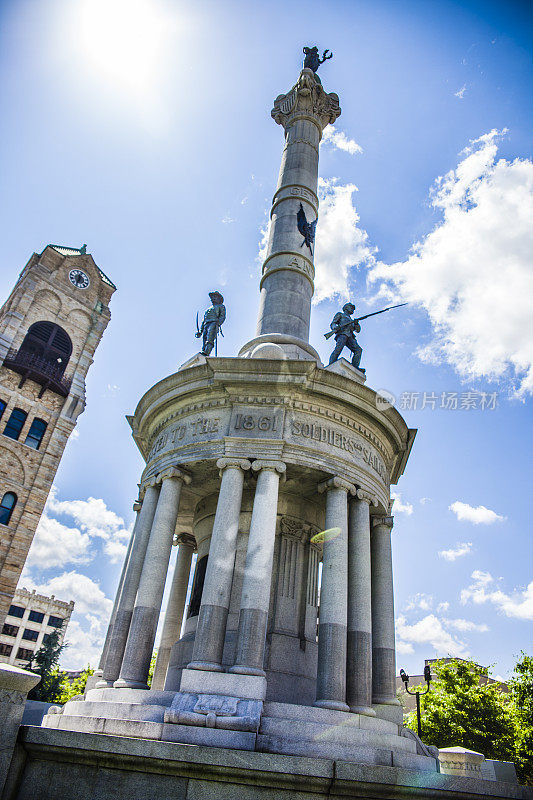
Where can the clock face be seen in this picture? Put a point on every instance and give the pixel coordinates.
(78, 278)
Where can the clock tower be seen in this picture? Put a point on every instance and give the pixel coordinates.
(50, 327)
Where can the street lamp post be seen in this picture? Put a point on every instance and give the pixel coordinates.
(427, 677)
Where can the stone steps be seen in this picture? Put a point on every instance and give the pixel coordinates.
(287, 711)
(114, 727)
(339, 752)
(137, 696)
(107, 710)
(342, 734)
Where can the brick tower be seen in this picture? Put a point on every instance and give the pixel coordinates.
(50, 327)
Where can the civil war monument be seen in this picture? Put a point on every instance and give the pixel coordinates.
(276, 470)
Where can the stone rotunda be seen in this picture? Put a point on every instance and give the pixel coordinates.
(276, 471)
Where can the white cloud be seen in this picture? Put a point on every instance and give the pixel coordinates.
(340, 141)
(460, 549)
(92, 515)
(399, 505)
(405, 648)
(519, 604)
(420, 600)
(340, 243)
(442, 607)
(115, 550)
(472, 274)
(466, 625)
(87, 626)
(478, 515)
(461, 92)
(55, 545)
(430, 631)
(425, 500)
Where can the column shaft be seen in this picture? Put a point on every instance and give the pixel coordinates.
(121, 626)
(175, 608)
(255, 597)
(331, 674)
(211, 628)
(119, 591)
(383, 646)
(359, 656)
(138, 652)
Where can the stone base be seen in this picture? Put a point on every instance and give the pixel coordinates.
(279, 346)
(344, 368)
(61, 765)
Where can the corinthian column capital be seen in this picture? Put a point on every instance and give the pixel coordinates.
(306, 99)
(184, 538)
(336, 483)
(239, 463)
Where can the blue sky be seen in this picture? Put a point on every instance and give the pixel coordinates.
(143, 128)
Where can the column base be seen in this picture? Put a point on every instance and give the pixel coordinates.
(101, 684)
(365, 710)
(386, 701)
(124, 683)
(208, 666)
(242, 669)
(334, 705)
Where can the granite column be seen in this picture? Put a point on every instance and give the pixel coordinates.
(138, 652)
(383, 646)
(255, 596)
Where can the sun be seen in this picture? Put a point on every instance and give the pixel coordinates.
(124, 40)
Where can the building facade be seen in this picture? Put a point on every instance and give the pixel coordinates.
(30, 619)
(50, 327)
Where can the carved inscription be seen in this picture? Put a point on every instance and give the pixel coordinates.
(188, 430)
(335, 438)
(257, 422)
(297, 191)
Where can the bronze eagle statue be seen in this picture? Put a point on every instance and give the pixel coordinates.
(307, 229)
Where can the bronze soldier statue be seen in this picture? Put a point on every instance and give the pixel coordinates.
(211, 323)
(343, 326)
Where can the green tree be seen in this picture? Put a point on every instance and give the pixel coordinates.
(460, 709)
(521, 685)
(152, 668)
(44, 663)
(73, 688)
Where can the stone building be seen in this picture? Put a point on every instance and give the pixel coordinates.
(50, 327)
(30, 619)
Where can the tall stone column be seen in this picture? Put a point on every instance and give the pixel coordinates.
(121, 626)
(175, 608)
(211, 628)
(136, 508)
(359, 657)
(288, 270)
(255, 596)
(136, 661)
(383, 645)
(333, 615)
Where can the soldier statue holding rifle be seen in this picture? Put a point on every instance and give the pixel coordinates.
(211, 324)
(343, 327)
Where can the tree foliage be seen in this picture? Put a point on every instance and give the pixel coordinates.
(70, 689)
(44, 663)
(463, 709)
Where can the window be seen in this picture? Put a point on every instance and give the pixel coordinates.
(30, 635)
(46, 638)
(35, 433)
(36, 616)
(16, 611)
(2, 407)
(48, 341)
(9, 501)
(15, 423)
(55, 622)
(9, 630)
(5, 649)
(24, 653)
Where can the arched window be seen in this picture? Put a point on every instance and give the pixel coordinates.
(35, 433)
(3, 405)
(9, 501)
(15, 423)
(49, 342)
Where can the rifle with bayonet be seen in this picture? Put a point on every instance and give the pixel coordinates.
(366, 316)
